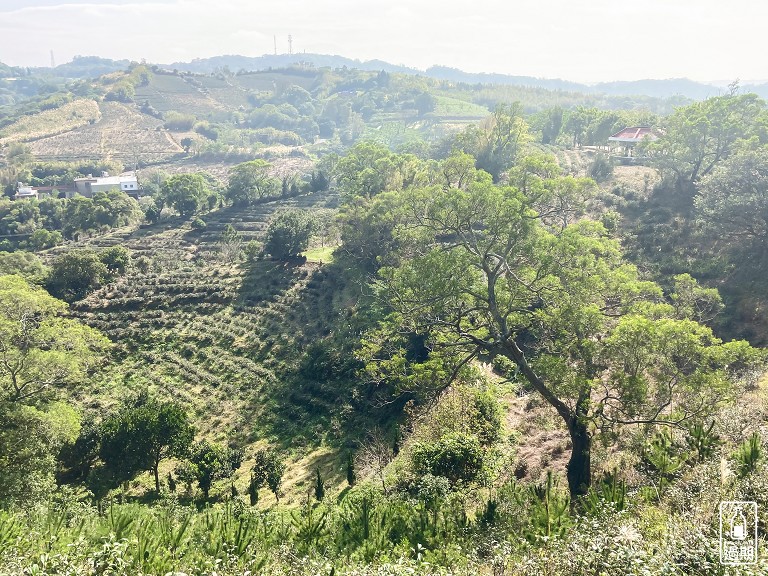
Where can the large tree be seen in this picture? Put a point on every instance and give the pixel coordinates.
(733, 201)
(250, 182)
(208, 462)
(40, 349)
(498, 141)
(482, 273)
(138, 438)
(288, 234)
(369, 169)
(115, 208)
(30, 439)
(268, 469)
(187, 193)
(25, 264)
(76, 274)
(78, 216)
(699, 136)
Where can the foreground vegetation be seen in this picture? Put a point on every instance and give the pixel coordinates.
(427, 527)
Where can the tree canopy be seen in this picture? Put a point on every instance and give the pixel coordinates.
(697, 137)
(108, 209)
(208, 462)
(733, 199)
(483, 272)
(288, 234)
(186, 193)
(498, 141)
(30, 439)
(75, 274)
(139, 437)
(268, 469)
(41, 349)
(250, 182)
(25, 264)
(369, 169)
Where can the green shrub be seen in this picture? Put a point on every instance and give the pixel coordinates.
(198, 224)
(457, 457)
(662, 458)
(608, 491)
(748, 455)
(601, 168)
(548, 509)
(702, 441)
(122, 92)
(117, 259)
(178, 122)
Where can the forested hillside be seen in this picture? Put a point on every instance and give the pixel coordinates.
(368, 322)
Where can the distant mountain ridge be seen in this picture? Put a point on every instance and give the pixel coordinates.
(669, 88)
(236, 63)
(91, 66)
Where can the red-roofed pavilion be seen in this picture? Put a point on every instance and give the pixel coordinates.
(627, 139)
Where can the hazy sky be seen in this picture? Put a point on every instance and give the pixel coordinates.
(582, 40)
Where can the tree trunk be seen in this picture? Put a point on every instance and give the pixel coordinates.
(580, 464)
(157, 478)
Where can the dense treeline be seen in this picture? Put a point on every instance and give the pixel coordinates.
(35, 225)
(39, 224)
(709, 151)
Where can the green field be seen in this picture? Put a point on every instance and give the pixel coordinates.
(455, 108)
(268, 81)
(321, 255)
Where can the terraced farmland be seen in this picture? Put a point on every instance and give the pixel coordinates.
(268, 81)
(229, 94)
(51, 122)
(223, 338)
(122, 134)
(453, 108)
(171, 92)
(574, 162)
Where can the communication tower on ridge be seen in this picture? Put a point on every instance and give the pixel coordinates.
(290, 44)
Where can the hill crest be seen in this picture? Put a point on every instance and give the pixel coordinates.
(92, 66)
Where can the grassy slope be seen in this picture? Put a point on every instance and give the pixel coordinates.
(122, 133)
(68, 117)
(224, 339)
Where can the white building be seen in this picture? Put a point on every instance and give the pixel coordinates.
(25, 192)
(126, 182)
